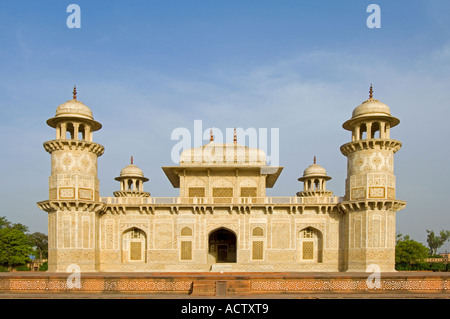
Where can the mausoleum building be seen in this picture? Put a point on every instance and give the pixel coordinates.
(222, 219)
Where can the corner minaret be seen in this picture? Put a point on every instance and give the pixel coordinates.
(73, 187)
(370, 204)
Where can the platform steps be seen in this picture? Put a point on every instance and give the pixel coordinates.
(204, 288)
(220, 287)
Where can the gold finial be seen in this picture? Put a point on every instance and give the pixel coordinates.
(235, 136)
(74, 92)
(131, 159)
(314, 159)
(371, 92)
(211, 136)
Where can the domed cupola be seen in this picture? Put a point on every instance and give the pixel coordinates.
(132, 181)
(372, 119)
(314, 181)
(74, 120)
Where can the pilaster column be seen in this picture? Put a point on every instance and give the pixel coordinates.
(357, 133)
(382, 130)
(75, 130)
(369, 130)
(63, 130)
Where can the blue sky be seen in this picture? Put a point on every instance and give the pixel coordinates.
(148, 67)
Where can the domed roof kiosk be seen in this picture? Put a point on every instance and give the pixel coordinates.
(73, 118)
(132, 181)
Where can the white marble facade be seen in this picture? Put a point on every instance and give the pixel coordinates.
(222, 219)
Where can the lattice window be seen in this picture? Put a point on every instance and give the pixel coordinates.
(186, 250)
(109, 235)
(223, 192)
(186, 231)
(257, 250)
(311, 244)
(135, 251)
(308, 233)
(196, 192)
(248, 191)
(257, 231)
(136, 233)
(308, 250)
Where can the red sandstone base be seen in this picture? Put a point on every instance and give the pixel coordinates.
(225, 284)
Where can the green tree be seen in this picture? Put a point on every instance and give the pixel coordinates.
(14, 247)
(4, 223)
(16, 244)
(409, 252)
(40, 244)
(435, 242)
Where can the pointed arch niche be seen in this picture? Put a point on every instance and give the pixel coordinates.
(134, 246)
(310, 245)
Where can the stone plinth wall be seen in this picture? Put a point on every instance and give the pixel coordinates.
(221, 284)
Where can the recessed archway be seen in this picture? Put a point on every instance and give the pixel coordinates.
(222, 245)
(134, 245)
(311, 245)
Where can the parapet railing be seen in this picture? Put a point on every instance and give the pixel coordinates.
(219, 200)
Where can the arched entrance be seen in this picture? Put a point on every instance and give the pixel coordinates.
(222, 246)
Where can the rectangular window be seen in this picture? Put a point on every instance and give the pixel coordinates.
(257, 250)
(223, 192)
(135, 251)
(186, 250)
(248, 191)
(308, 250)
(109, 234)
(196, 192)
(222, 195)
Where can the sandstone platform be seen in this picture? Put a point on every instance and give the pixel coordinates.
(225, 285)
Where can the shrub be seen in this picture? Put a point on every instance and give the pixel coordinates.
(44, 266)
(22, 268)
(438, 267)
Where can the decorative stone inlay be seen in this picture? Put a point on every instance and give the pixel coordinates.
(345, 285)
(256, 283)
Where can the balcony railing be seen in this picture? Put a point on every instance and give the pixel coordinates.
(219, 200)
